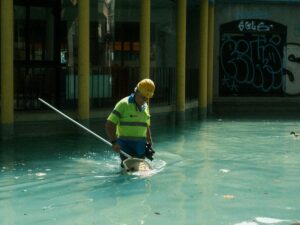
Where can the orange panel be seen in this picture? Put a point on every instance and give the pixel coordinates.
(136, 46)
(126, 46)
(118, 46)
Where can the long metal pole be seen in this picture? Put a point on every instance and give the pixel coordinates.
(81, 126)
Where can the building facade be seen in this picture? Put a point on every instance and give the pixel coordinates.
(85, 55)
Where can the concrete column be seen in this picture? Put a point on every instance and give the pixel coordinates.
(145, 10)
(181, 55)
(202, 95)
(210, 57)
(7, 70)
(84, 60)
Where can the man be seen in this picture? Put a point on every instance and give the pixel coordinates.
(128, 125)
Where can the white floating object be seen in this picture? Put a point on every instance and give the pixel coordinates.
(40, 174)
(267, 220)
(224, 170)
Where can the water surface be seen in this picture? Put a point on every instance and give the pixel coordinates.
(221, 171)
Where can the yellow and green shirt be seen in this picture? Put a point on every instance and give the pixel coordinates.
(131, 120)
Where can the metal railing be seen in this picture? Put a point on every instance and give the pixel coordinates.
(107, 85)
(31, 83)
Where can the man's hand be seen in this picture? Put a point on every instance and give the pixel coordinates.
(149, 151)
(116, 147)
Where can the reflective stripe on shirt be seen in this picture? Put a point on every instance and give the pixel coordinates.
(132, 138)
(116, 113)
(136, 124)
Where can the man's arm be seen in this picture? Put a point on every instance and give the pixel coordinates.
(149, 137)
(110, 129)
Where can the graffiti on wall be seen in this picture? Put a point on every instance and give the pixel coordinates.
(251, 58)
(254, 26)
(292, 69)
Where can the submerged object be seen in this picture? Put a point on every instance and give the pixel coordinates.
(136, 164)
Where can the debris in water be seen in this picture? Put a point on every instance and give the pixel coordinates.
(228, 196)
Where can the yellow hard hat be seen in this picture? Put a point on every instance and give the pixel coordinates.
(146, 87)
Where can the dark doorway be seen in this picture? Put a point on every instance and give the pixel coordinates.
(251, 58)
(36, 52)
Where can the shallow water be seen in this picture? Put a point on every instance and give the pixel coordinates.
(221, 171)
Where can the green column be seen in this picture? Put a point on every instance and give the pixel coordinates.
(7, 74)
(145, 10)
(181, 55)
(84, 60)
(202, 95)
(210, 57)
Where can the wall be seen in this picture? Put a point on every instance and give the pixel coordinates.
(263, 67)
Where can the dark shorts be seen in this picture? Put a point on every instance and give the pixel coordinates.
(136, 149)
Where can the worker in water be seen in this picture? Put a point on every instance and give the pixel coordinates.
(128, 125)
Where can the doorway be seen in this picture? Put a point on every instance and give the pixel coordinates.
(37, 60)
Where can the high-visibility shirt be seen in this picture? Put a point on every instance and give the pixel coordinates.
(131, 120)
